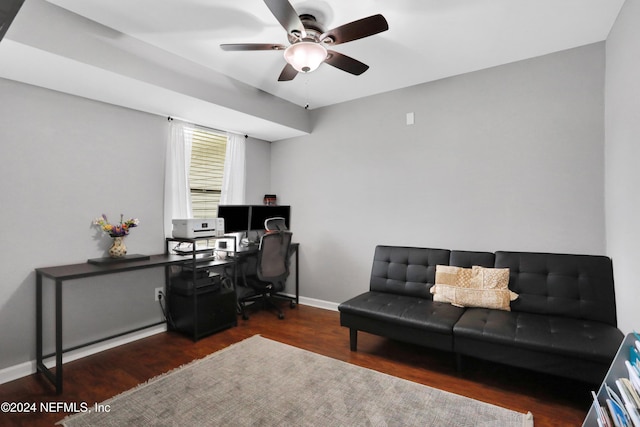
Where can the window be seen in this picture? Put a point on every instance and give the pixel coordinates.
(207, 167)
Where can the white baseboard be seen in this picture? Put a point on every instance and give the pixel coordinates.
(27, 368)
(17, 371)
(327, 305)
(318, 303)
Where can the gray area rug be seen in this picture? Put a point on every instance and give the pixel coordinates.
(260, 382)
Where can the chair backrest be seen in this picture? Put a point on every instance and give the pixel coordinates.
(276, 223)
(273, 257)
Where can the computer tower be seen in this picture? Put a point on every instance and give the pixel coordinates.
(201, 308)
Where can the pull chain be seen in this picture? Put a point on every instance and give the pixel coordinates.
(306, 91)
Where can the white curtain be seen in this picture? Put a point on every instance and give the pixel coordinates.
(177, 194)
(233, 180)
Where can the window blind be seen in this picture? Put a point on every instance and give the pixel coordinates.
(207, 167)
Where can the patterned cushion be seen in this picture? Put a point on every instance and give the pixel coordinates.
(474, 287)
(453, 276)
(489, 278)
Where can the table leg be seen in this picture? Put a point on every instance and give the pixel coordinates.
(59, 336)
(297, 276)
(38, 321)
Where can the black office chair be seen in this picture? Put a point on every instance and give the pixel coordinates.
(265, 276)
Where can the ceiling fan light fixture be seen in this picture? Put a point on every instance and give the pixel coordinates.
(305, 56)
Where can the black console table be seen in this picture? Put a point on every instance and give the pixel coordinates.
(63, 273)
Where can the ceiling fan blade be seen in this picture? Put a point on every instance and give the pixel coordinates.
(288, 73)
(252, 46)
(355, 30)
(345, 63)
(286, 16)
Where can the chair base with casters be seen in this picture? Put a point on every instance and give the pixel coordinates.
(266, 301)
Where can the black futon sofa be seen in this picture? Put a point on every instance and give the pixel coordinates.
(562, 323)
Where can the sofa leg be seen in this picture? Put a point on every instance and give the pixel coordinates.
(353, 339)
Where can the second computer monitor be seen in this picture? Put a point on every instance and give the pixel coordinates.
(237, 218)
(259, 213)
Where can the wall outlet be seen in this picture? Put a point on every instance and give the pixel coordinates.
(156, 293)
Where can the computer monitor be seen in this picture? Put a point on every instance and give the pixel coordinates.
(259, 213)
(237, 218)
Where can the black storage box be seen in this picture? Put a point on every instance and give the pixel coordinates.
(202, 309)
(184, 284)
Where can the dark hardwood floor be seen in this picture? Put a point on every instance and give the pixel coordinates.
(553, 401)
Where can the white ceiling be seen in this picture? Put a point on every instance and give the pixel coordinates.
(427, 39)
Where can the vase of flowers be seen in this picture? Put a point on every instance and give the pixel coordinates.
(118, 248)
(117, 232)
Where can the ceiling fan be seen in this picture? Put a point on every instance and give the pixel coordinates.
(309, 42)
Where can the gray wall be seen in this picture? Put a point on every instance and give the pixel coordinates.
(258, 168)
(65, 161)
(622, 154)
(509, 158)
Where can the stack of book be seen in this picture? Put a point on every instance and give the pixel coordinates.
(621, 407)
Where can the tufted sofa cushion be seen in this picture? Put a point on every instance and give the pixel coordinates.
(404, 310)
(398, 304)
(401, 317)
(572, 348)
(406, 271)
(560, 335)
(575, 286)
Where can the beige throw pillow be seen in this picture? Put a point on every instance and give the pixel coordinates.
(454, 276)
(487, 287)
(449, 278)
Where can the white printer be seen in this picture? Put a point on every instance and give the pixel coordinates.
(194, 227)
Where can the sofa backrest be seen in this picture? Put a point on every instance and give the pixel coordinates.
(577, 286)
(467, 259)
(406, 270)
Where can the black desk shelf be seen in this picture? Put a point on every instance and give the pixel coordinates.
(210, 305)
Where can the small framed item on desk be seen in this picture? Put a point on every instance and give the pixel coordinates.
(126, 258)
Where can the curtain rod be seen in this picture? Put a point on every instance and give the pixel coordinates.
(207, 127)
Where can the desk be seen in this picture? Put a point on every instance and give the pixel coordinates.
(63, 273)
(295, 249)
